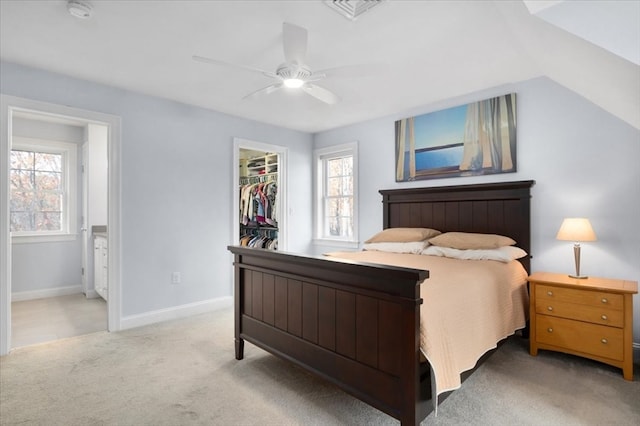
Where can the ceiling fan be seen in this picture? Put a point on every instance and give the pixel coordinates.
(293, 73)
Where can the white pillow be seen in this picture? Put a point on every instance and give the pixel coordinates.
(502, 254)
(414, 247)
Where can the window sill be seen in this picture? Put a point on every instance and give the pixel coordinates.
(336, 243)
(29, 239)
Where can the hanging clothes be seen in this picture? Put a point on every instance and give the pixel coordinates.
(258, 213)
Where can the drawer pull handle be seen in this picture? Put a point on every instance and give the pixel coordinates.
(549, 293)
(604, 317)
(550, 330)
(604, 300)
(604, 341)
(549, 308)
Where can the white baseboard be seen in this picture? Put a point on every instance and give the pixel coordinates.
(175, 312)
(44, 293)
(92, 294)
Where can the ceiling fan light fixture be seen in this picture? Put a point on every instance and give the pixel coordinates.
(293, 83)
(79, 9)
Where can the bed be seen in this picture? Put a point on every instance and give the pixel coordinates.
(357, 324)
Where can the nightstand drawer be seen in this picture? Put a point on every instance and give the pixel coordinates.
(581, 297)
(603, 315)
(579, 336)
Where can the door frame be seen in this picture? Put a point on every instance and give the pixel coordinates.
(10, 104)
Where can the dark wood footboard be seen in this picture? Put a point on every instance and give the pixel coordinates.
(354, 324)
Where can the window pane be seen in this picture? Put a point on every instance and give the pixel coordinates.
(341, 206)
(339, 216)
(47, 221)
(21, 180)
(347, 166)
(21, 160)
(48, 162)
(340, 227)
(333, 207)
(347, 185)
(339, 186)
(346, 227)
(340, 166)
(334, 167)
(50, 202)
(21, 201)
(48, 180)
(21, 221)
(334, 186)
(334, 227)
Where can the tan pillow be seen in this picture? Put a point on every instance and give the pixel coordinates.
(403, 235)
(467, 240)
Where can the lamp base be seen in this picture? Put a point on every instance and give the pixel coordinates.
(580, 277)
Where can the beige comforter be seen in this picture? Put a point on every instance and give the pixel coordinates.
(469, 306)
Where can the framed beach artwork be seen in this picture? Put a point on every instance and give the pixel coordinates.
(469, 140)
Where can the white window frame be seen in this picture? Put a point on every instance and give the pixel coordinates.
(320, 156)
(69, 221)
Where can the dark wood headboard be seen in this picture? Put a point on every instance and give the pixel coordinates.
(492, 208)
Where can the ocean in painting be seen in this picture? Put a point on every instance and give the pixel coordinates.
(434, 159)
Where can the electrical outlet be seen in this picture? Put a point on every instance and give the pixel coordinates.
(175, 278)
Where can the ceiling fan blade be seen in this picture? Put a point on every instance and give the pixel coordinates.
(294, 40)
(321, 93)
(228, 64)
(264, 91)
(352, 71)
(316, 76)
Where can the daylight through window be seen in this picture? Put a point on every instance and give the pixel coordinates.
(339, 197)
(39, 187)
(336, 186)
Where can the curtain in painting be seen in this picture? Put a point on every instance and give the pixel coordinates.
(490, 135)
(412, 149)
(401, 126)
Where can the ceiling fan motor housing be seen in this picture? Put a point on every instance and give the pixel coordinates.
(293, 71)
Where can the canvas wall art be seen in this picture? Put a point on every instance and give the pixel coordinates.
(474, 139)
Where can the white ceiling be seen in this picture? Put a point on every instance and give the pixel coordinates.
(420, 52)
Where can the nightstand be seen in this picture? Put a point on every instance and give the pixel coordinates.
(591, 317)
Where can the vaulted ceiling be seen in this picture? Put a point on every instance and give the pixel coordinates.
(408, 53)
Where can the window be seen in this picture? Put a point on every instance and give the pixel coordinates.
(336, 193)
(43, 190)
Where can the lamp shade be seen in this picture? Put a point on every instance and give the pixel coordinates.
(576, 229)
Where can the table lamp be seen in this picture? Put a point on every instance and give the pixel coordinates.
(576, 229)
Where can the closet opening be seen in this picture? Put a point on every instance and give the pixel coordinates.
(258, 191)
(260, 207)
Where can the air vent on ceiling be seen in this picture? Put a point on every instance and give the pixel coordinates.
(351, 9)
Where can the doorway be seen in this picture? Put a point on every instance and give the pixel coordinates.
(13, 110)
(271, 163)
(58, 199)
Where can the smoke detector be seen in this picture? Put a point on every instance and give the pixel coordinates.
(79, 9)
(351, 9)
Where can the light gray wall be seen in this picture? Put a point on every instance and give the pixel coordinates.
(177, 189)
(584, 162)
(51, 265)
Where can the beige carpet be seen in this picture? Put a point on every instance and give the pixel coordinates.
(53, 318)
(183, 372)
